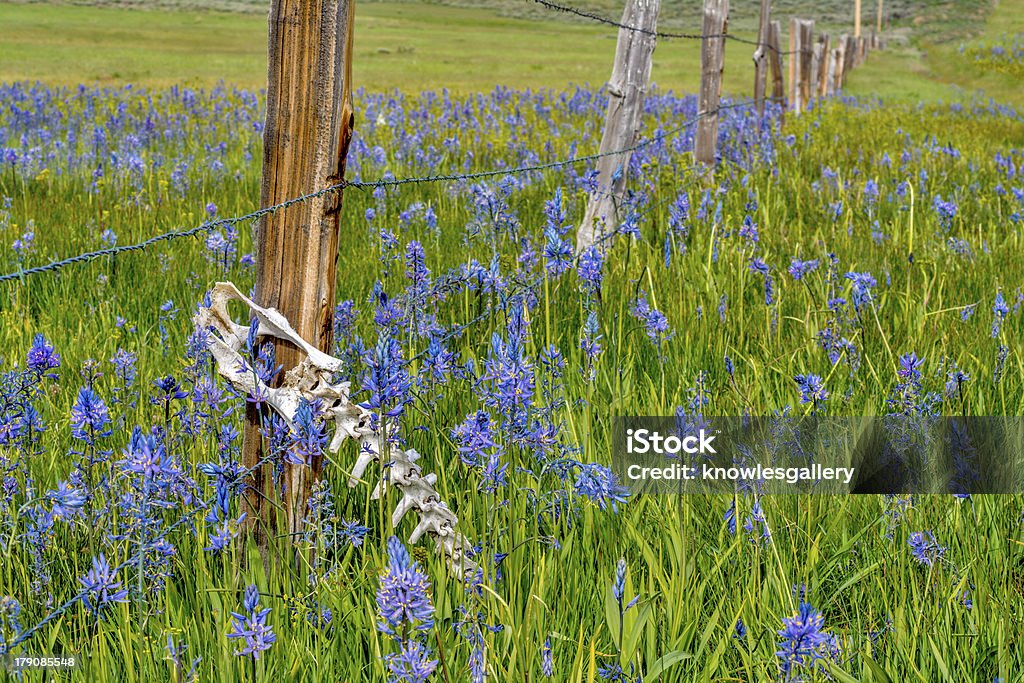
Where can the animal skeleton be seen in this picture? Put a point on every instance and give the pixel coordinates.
(312, 379)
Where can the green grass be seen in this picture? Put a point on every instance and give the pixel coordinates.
(414, 47)
(694, 578)
(406, 46)
(934, 70)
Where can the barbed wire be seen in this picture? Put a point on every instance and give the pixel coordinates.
(163, 237)
(586, 14)
(207, 227)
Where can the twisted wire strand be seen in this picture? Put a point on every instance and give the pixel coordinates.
(54, 266)
(568, 9)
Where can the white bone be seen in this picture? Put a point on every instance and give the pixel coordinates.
(311, 379)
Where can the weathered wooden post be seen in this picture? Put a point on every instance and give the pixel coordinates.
(823, 53)
(801, 35)
(878, 18)
(794, 65)
(834, 62)
(849, 56)
(856, 18)
(712, 63)
(775, 59)
(840, 68)
(761, 57)
(806, 63)
(305, 142)
(814, 73)
(631, 74)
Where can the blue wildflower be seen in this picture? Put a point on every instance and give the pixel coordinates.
(101, 587)
(804, 644)
(252, 627)
(924, 548)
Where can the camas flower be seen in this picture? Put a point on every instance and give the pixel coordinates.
(804, 643)
(42, 358)
(597, 483)
(403, 599)
(999, 312)
(252, 627)
(309, 437)
(547, 662)
(589, 269)
(90, 418)
(862, 285)
(101, 587)
(812, 390)
(925, 548)
(798, 269)
(759, 266)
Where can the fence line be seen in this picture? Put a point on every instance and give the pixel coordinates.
(55, 266)
(569, 9)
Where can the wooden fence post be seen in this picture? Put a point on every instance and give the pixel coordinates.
(761, 58)
(878, 19)
(801, 33)
(806, 62)
(856, 18)
(849, 56)
(840, 68)
(305, 143)
(833, 63)
(775, 60)
(626, 90)
(793, 101)
(824, 54)
(712, 62)
(815, 71)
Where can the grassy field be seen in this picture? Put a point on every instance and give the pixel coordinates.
(415, 46)
(891, 609)
(861, 259)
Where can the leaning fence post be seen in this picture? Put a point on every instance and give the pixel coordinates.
(761, 57)
(305, 142)
(712, 62)
(626, 90)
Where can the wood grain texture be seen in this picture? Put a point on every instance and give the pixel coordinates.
(824, 58)
(305, 143)
(712, 63)
(631, 75)
(801, 34)
(761, 57)
(775, 61)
